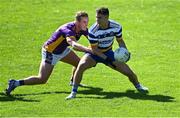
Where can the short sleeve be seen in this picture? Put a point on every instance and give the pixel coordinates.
(119, 32)
(92, 39)
(69, 33)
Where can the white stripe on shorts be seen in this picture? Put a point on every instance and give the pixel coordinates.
(54, 58)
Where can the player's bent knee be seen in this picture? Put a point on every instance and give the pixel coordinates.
(42, 80)
(82, 66)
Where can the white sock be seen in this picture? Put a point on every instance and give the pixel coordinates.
(17, 83)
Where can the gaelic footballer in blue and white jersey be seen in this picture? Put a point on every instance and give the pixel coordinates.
(101, 37)
(104, 38)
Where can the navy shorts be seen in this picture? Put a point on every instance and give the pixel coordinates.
(109, 54)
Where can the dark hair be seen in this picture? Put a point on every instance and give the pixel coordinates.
(80, 14)
(103, 11)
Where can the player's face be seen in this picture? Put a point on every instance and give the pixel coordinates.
(83, 23)
(101, 19)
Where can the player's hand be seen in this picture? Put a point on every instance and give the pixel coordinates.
(129, 57)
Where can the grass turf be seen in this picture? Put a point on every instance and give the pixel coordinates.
(150, 30)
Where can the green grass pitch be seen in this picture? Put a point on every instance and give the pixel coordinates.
(151, 30)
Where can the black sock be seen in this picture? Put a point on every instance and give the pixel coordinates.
(21, 82)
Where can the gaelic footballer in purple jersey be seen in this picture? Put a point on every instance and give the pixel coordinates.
(57, 43)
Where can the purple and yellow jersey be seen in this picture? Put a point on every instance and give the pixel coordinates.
(57, 42)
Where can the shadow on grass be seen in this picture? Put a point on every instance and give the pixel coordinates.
(20, 97)
(129, 93)
(5, 98)
(100, 94)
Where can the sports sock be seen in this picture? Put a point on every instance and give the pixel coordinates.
(19, 83)
(74, 88)
(138, 85)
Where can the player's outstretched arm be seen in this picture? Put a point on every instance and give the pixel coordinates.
(77, 46)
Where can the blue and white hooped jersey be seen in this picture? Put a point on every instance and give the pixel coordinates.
(104, 38)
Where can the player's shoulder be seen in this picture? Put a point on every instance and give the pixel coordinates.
(67, 27)
(114, 24)
(93, 28)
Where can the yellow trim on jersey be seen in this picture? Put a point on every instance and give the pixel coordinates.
(104, 50)
(93, 44)
(52, 46)
(71, 37)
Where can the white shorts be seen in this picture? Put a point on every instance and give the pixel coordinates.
(51, 58)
